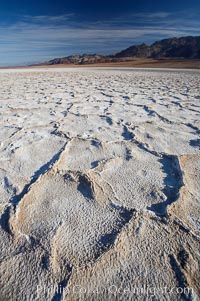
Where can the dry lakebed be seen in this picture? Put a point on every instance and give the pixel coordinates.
(99, 184)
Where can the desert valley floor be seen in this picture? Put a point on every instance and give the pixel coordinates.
(99, 184)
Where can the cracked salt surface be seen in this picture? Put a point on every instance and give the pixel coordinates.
(99, 173)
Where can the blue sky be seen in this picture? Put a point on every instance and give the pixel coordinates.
(35, 31)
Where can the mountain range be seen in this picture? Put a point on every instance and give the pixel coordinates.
(184, 48)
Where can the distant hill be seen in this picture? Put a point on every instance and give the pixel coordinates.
(184, 48)
(81, 59)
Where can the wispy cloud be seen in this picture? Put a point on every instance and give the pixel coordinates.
(47, 19)
(38, 38)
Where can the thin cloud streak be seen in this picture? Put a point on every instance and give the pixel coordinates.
(47, 19)
(44, 37)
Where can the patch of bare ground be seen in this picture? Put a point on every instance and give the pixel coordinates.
(99, 184)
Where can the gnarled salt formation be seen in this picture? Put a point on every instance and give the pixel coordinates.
(99, 184)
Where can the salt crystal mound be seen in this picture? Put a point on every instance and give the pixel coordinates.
(99, 184)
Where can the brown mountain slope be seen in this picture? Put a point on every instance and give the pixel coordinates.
(179, 48)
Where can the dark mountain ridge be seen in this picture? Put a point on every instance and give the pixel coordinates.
(184, 48)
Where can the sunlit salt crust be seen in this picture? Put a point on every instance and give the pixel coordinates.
(99, 183)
